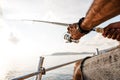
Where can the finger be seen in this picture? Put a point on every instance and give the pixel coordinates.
(107, 29)
(114, 35)
(69, 28)
(118, 34)
(118, 37)
(109, 33)
(109, 36)
(105, 32)
(74, 26)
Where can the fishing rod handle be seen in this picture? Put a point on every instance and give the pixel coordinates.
(99, 30)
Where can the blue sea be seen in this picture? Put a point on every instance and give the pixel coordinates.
(31, 65)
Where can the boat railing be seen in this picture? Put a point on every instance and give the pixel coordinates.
(42, 71)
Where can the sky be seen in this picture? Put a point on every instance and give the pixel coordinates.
(42, 38)
(24, 38)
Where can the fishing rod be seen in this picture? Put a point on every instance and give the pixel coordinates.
(49, 22)
(66, 36)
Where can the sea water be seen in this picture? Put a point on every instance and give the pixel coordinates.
(30, 65)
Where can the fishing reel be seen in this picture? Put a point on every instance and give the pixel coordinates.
(69, 39)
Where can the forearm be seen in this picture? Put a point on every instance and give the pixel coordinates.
(100, 11)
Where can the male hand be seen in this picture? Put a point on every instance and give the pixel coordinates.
(75, 33)
(112, 31)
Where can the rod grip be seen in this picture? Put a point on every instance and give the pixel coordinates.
(99, 30)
